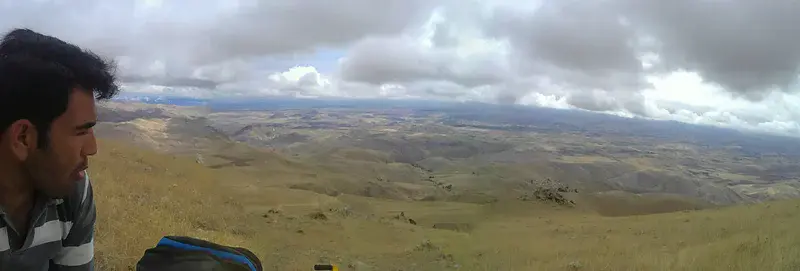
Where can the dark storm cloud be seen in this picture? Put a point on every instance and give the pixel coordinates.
(400, 60)
(578, 43)
(189, 34)
(747, 47)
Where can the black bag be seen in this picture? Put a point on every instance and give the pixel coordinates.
(179, 253)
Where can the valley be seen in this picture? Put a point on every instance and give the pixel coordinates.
(405, 188)
(404, 149)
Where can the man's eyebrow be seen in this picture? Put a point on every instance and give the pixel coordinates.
(86, 126)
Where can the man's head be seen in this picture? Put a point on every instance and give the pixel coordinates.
(47, 109)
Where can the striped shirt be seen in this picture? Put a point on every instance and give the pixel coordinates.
(61, 236)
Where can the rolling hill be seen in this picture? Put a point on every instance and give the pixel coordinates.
(412, 188)
(143, 195)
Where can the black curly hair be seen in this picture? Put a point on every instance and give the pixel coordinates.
(37, 74)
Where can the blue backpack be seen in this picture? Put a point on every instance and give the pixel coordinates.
(187, 253)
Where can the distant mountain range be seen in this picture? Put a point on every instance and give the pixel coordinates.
(514, 117)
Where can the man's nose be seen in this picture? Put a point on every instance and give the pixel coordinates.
(90, 147)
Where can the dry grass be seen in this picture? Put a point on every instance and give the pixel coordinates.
(619, 203)
(143, 196)
(586, 159)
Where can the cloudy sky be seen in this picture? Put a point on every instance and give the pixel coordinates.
(730, 63)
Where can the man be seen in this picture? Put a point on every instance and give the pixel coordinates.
(48, 90)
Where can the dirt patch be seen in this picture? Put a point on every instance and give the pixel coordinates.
(452, 226)
(318, 216)
(627, 204)
(316, 187)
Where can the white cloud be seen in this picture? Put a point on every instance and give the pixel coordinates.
(733, 63)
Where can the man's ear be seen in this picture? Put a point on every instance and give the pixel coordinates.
(22, 138)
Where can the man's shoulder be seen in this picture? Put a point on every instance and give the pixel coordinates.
(77, 246)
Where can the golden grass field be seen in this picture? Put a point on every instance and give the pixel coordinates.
(143, 195)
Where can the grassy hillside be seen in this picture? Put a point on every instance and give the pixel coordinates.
(143, 195)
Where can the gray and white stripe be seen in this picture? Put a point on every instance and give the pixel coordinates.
(61, 237)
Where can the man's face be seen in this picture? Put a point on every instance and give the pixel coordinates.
(54, 170)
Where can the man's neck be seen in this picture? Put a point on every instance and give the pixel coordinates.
(16, 196)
